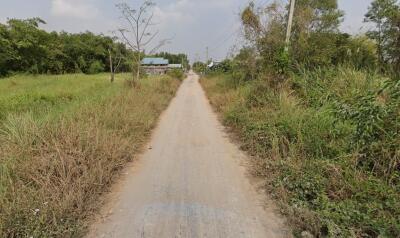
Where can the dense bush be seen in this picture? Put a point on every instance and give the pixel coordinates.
(96, 67)
(199, 67)
(375, 116)
(359, 52)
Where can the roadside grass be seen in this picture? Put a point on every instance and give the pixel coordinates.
(317, 145)
(58, 156)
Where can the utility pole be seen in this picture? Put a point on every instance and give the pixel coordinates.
(290, 22)
(207, 55)
(206, 69)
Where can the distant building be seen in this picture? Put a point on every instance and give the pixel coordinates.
(175, 66)
(155, 65)
(213, 64)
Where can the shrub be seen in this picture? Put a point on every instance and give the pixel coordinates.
(96, 67)
(375, 117)
(176, 74)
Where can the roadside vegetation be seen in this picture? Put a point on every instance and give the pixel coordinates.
(327, 155)
(322, 119)
(63, 140)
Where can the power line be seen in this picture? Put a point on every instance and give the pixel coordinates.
(217, 46)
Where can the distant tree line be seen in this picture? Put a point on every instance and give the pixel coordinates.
(24, 47)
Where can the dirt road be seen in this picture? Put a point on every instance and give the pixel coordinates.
(190, 182)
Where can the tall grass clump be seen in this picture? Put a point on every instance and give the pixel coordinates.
(326, 143)
(176, 73)
(53, 168)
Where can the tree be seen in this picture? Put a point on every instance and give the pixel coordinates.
(114, 68)
(357, 51)
(116, 56)
(29, 43)
(386, 16)
(245, 65)
(24, 47)
(175, 58)
(138, 34)
(264, 30)
(6, 50)
(199, 67)
(314, 39)
(315, 32)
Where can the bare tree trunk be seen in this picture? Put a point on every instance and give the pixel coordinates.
(138, 71)
(111, 66)
(133, 74)
(139, 22)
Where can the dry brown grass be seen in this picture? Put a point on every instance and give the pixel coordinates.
(53, 173)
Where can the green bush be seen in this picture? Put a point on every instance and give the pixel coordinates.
(361, 52)
(176, 73)
(96, 67)
(282, 61)
(375, 117)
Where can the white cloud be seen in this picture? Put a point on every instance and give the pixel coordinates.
(74, 8)
(176, 12)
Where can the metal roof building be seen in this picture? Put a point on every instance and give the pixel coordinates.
(175, 66)
(154, 61)
(155, 65)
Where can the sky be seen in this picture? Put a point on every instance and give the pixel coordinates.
(193, 25)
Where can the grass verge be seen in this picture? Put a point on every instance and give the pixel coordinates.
(326, 144)
(58, 156)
